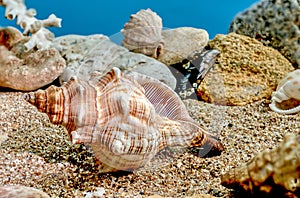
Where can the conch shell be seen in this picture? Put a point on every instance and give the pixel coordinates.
(125, 118)
(272, 172)
(142, 33)
(288, 91)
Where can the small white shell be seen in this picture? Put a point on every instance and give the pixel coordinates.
(142, 33)
(288, 88)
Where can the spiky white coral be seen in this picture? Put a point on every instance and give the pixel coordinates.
(41, 37)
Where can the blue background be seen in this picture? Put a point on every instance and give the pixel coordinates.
(108, 17)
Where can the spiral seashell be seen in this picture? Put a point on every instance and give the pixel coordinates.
(270, 172)
(142, 33)
(288, 88)
(125, 118)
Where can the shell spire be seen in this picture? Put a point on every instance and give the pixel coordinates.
(142, 33)
(41, 99)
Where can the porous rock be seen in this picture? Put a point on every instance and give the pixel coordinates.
(244, 72)
(26, 70)
(181, 43)
(275, 23)
(96, 53)
(9, 36)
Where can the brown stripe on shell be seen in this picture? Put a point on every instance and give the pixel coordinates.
(55, 104)
(49, 101)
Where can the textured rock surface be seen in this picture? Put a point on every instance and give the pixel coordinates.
(30, 70)
(98, 53)
(271, 171)
(244, 72)
(181, 43)
(9, 36)
(275, 23)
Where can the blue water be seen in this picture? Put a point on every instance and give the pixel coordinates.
(108, 17)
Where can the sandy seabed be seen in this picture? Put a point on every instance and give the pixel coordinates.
(36, 153)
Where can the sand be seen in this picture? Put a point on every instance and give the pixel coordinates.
(36, 153)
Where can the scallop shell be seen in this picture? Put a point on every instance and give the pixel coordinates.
(288, 89)
(125, 118)
(142, 33)
(270, 172)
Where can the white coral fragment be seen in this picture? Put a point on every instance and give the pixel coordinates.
(41, 37)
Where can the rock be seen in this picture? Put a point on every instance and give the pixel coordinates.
(15, 191)
(26, 70)
(244, 72)
(181, 43)
(74, 48)
(30, 72)
(96, 53)
(275, 23)
(9, 36)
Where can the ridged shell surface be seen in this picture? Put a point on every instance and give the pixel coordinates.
(288, 91)
(271, 171)
(126, 119)
(142, 33)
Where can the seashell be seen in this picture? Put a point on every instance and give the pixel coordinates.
(288, 88)
(274, 172)
(142, 33)
(16, 191)
(125, 118)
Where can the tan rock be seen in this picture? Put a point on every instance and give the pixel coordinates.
(180, 43)
(26, 70)
(31, 71)
(275, 23)
(9, 36)
(244, 72)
